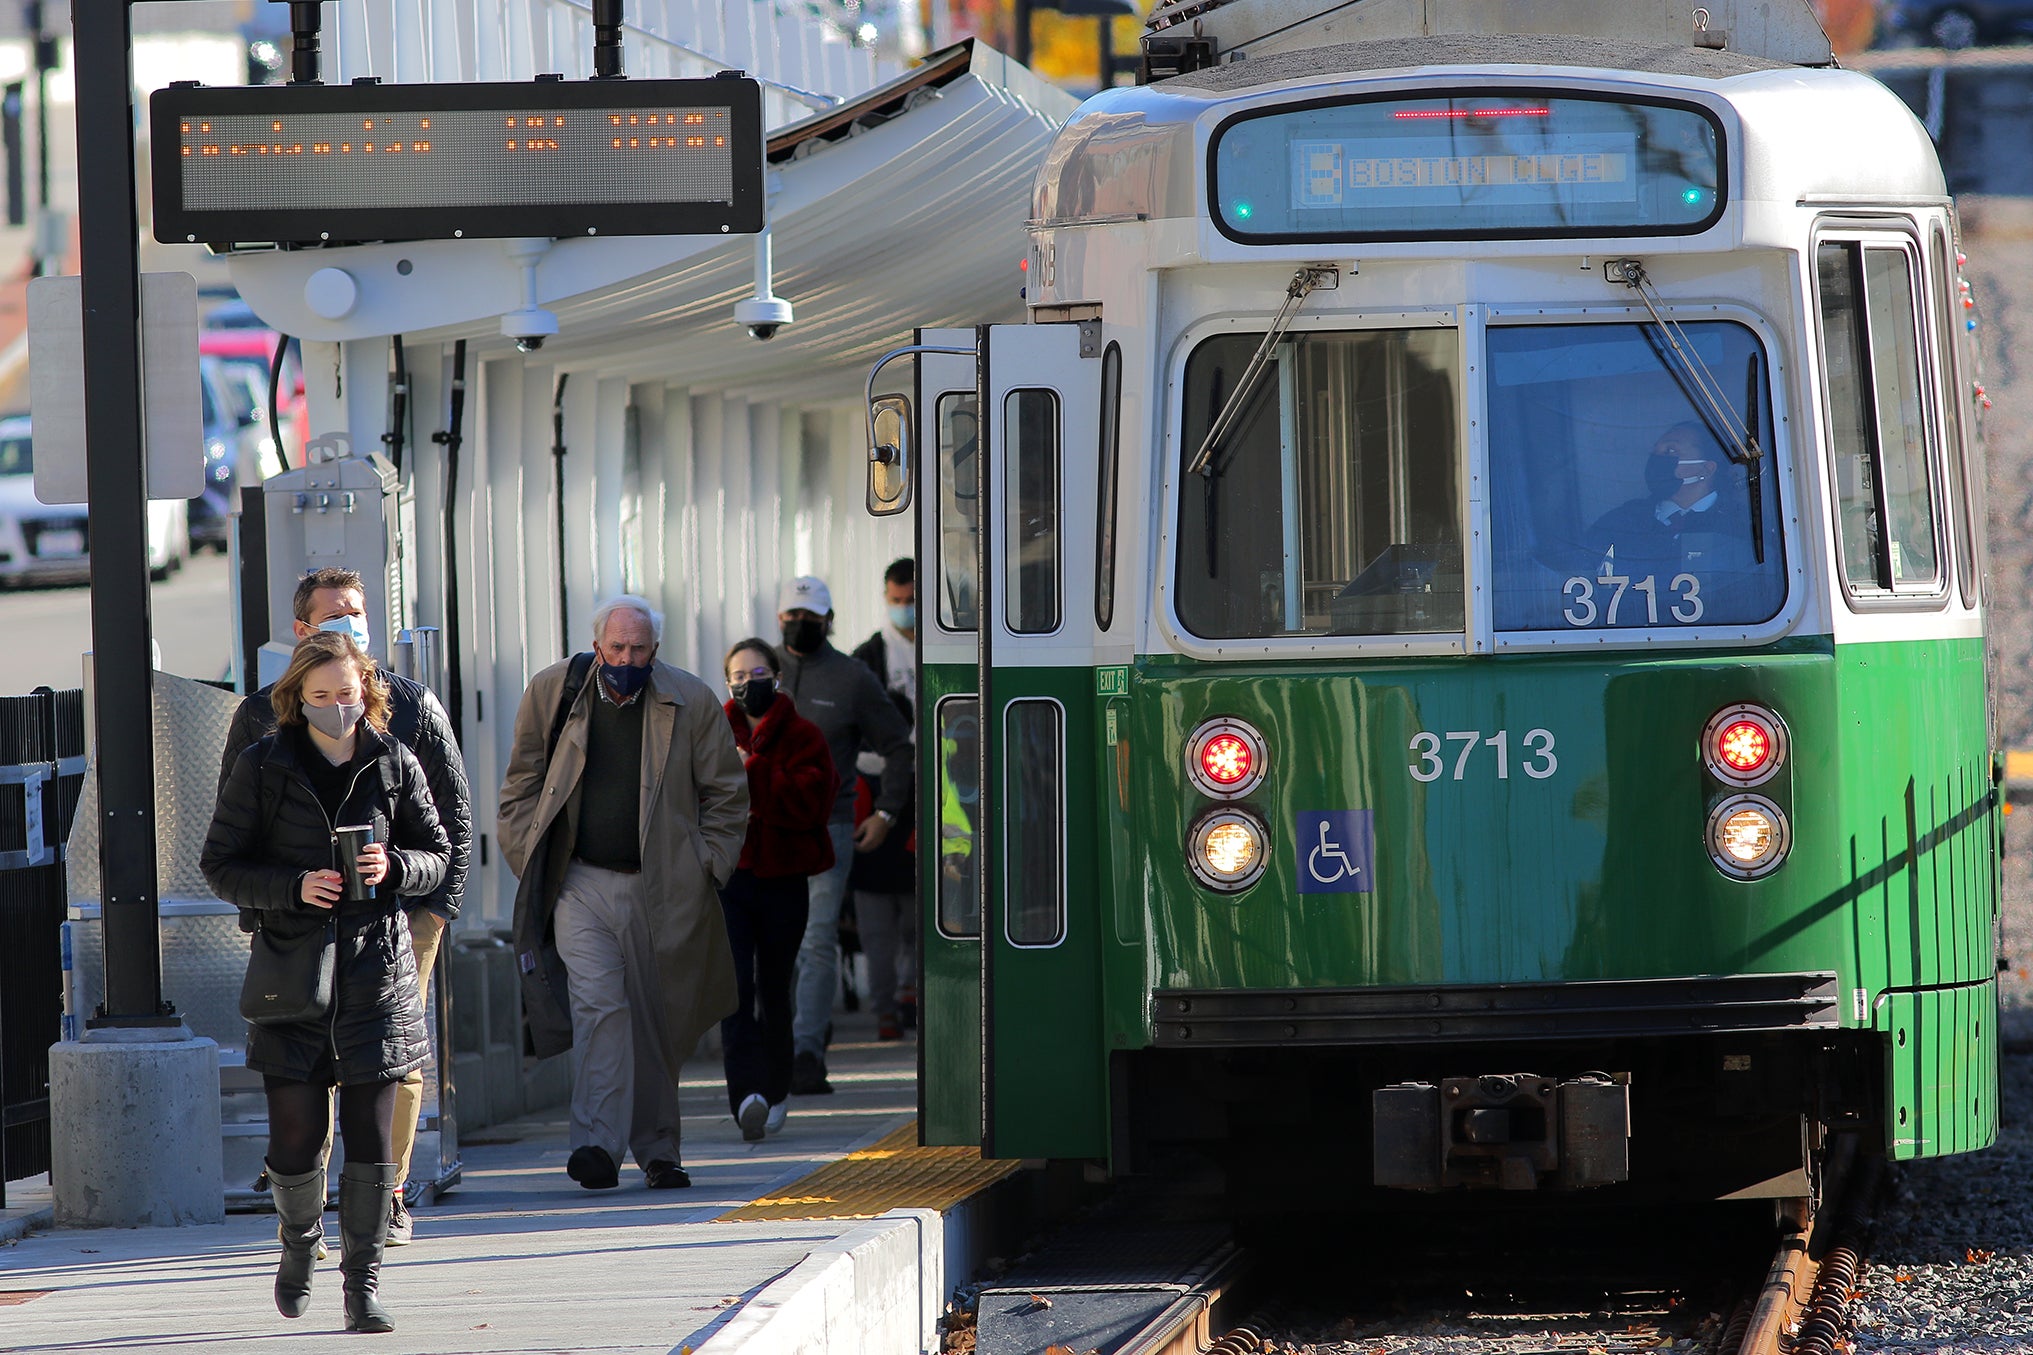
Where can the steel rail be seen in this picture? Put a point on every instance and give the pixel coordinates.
(1191, 1323)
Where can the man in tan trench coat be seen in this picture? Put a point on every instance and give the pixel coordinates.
(633, 821)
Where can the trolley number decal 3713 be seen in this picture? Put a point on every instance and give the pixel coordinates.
(1683, 598)
(1536, 757)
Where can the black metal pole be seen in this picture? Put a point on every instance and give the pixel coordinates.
(45, 62)
(1020, 41)
(306, 18)
(558, 492)
(607, 40)
(116, 483)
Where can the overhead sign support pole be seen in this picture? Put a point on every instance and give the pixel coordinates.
(134, 1104)
(109, 259)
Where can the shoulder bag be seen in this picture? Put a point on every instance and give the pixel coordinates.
(289, 978)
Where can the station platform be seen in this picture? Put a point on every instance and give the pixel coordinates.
(837, 1234)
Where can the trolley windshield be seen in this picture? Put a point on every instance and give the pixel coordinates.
(1614, 503)
(1331, 506)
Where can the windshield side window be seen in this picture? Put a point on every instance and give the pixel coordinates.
(1031, 446)
(1331, 506)
(1616, 504)
(959, 880)
(959, 524)
(1877, 416)
(1108, 468)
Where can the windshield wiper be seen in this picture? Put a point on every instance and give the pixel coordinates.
(1739, 439)
(1311, 278)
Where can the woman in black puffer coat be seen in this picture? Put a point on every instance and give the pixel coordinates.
(271, 849)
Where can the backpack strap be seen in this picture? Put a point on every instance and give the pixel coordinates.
(575, 682)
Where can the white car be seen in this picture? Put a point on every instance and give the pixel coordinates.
(51, 543)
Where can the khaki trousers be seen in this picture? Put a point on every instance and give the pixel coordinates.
(426, 934)
(621, 1095)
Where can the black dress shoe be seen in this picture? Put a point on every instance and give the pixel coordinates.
(808, 1076)
(592, 1168)
(666, 1175)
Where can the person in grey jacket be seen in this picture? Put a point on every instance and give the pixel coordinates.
(333, 599)
(852, 710)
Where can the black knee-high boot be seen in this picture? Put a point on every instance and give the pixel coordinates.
(299, 1210)
(366, 1191)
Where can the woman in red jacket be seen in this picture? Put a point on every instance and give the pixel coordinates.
(791, 784)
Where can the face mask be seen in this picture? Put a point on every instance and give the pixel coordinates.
(625, 678)
(804, 636)
(355, 626)
(904, 616)
(755, 695)
(1662, 475)
(334, 721)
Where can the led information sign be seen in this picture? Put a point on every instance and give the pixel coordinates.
(412, 162)
(1486, 165)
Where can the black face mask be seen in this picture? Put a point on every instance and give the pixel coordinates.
(755, 695)
(1662, 475)
(804, 636)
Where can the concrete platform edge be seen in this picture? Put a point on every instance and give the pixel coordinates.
(879, 1289)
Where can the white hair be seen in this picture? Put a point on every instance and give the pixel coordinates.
(627, 602)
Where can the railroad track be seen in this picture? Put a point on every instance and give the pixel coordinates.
(1800, 1308)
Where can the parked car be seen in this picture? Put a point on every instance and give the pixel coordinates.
(1956, 23)
(225, 418)
(248, 354)
(51, 543)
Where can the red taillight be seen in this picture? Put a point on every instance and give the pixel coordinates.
(1744, 745)
(1225, 758)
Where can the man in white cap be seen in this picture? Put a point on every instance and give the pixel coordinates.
(851, 709)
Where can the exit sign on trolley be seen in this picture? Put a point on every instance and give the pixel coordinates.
(309, 164)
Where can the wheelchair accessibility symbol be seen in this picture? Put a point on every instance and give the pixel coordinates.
(1337, 851)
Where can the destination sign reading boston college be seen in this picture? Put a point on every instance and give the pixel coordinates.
(305, 164)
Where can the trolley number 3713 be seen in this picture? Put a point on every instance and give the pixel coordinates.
(1536, 758)
(1583, 609)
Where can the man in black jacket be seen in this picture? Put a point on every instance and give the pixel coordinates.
(852, 710)
(885, 880)
(333, 599)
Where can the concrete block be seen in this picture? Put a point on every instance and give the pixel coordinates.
(469, 998)
(504, 997)
(134, 1130)
(469, 1075)
(504, 1083)
(546, 1082)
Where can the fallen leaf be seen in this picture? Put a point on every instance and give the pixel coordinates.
(1059, 1350)
(1976, 1256)
(1902, 1277)
(1041, 1301)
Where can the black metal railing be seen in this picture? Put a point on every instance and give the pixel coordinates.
(42, 773)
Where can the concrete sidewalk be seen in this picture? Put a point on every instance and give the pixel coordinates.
(516, 1258)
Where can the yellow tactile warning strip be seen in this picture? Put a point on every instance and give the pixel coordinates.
(892, 1173)
(2019, 768)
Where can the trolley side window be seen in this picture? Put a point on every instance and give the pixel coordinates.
(1034, 756)
(1961, 512)
(1031, 456)
(1615, 504)
(1331, 504)
(1877, 417)
(959, 879)
(959, 523)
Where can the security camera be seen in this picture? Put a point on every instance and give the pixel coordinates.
(529, 327)
(763, 315)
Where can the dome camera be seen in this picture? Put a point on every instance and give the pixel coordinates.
(762, 315)
(529, 327)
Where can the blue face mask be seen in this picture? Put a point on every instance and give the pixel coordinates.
(904, 616)
(355, 626)
(625, 679)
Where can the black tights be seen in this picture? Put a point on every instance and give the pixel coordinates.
(300, 1114)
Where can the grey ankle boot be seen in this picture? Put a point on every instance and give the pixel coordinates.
(299, 1210)
(365, 1192)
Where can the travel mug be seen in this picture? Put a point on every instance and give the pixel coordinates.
(351, 839)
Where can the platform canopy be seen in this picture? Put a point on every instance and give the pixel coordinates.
(904, 206)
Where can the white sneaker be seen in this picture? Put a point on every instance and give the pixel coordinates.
(754, 1111)
(778, 1113)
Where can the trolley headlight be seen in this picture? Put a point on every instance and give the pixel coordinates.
(1744, 745)
(1748, 837)
(1226, 759)
(1227, 850)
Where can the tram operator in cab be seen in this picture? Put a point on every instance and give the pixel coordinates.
(1691, 517)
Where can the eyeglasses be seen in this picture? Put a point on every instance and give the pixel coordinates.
(738, 676)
